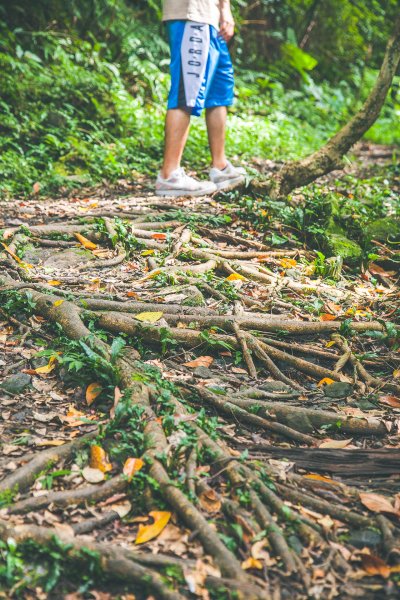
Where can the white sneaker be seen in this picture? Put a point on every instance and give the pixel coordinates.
(227, 178)
(180, 184)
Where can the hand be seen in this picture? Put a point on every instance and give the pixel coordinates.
(227, 29)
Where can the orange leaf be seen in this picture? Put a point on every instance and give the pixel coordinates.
(335, 443)
(149, 532)
(377, 503)
(392, 401)
(98, 459)
(92, 391)
(36, 187)
(373, 565)
(132, 465)
(325, 381)
(15, 257)
(317, 477)
(235, 277)
(251, 563)
(85, 242)
(327, 317)
(159, 236)
(202, 361)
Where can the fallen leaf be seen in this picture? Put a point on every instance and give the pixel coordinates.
(15, 257)
(373, 565)
(54, 282)
(50, 443)
(93, 475)
(377, 503)
(287, 263)
(235, 277)
(117, 398)
(51, 365)
(58, 302)
(327, 317)
(325, 381)
(36, 187)
(323, 478)
(335, 443)
(131, 466)
(392, 401)
(377, 270)
(201, 361)
(209, 501)
(396, 373)
(251, 563)
(159, 236)
(98, 459)
(85, 242)
(149, 532)
(92, 391)
(147, 252)
(330, 344)
(151, 317)
(122, 508)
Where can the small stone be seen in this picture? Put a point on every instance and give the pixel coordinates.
(203, 372)
(15, 384)
(338, 389)
(365, 404)
(365, 537)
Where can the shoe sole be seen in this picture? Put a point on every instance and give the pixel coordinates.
(181, 193)
(230, 184)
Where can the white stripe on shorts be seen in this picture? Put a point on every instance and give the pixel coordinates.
(194, 55)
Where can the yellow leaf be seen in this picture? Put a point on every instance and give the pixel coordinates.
(50, 443)
(329, 344)
(92, 391)
(234, 277)
(147, 252)
(323, 478)
(396, 373)
(149, 532)
(325, 381)
(54, 282)
(151, 317)
(47, 368)
(131, 466)
(287, 263)
(251, 563)
(16, 258)
(85, 242)
(98, 459)
(58, 302)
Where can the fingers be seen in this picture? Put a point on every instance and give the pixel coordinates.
(227, 30)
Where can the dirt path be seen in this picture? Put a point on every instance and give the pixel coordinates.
(173, 334)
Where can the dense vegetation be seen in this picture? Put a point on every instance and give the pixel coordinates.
(84, 83)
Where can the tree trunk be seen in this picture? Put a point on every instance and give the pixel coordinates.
(329, 157)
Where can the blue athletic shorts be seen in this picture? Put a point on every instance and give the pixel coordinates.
(201, 67)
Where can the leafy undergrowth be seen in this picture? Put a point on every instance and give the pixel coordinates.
(227, 423)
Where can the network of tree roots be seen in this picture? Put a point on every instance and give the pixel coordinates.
(267, 431)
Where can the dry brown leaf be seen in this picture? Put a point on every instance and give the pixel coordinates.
(209, 501)
(335, 443)
(202, 361)
(149, 532)
(392, 401)
(92, 391)
(377, 503)
(373, 565)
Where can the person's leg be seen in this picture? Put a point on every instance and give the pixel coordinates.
(216, 125)
(177, 125)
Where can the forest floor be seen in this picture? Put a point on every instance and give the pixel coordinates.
(189, 409)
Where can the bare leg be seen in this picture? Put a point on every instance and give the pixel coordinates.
(177, 124)
(216, 122)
